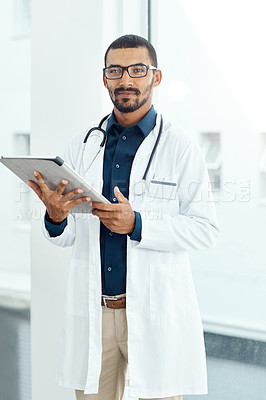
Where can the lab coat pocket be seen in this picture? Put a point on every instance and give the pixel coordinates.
(162, 189)
(77, 284)
(169, 292)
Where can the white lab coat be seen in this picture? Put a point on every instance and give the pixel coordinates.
(166, 351)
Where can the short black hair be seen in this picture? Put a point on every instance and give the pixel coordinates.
(133, 41)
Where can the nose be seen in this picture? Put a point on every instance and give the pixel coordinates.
(126, 79)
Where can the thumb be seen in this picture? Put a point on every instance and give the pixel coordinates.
(119, 195)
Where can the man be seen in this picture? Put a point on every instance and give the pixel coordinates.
(130, 296)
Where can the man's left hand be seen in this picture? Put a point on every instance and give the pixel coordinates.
(118, 218)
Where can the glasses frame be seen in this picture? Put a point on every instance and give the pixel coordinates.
(148, 67)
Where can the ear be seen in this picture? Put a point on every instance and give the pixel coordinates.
(104, 80)
(157, 78)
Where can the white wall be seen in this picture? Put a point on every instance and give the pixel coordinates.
(66, 48)
(14, 118)
(68, 43)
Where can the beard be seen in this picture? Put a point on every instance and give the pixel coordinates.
(122, 103)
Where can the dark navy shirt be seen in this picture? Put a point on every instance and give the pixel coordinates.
(121, 147)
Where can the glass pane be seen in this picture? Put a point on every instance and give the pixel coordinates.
(214, 86)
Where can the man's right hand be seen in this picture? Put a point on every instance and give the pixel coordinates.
(58, 205)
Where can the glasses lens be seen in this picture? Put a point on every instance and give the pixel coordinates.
(137, 71)
(113, 72)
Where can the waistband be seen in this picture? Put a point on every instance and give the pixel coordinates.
(114, 302)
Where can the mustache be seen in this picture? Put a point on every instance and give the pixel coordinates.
(122, 89)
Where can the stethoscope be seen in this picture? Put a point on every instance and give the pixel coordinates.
(103, 142)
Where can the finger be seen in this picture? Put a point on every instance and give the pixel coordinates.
(114, 226)
(103, 206)
(73, 193)
(40, 181)
(119, 195)
(61, 187)
(80, 200)
(35, 188)
(103, 214)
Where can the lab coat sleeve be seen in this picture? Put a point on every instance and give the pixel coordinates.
(54, 229)
(66, 239)
(192, 225)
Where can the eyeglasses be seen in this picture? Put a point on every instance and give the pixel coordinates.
(134, 71)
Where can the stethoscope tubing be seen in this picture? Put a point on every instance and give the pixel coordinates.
(153, 150)
(99, 128)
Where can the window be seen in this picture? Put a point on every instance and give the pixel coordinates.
(211, 147)
(225, 103)
(22, 17)
(262, 169)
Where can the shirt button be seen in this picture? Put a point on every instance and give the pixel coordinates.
(111, 233)
(114, 199)
(109, 269)
(117, 166)
(124, 137)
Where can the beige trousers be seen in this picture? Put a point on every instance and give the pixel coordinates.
(114, 358)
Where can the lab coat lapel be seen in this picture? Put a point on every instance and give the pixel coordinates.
(93, 161)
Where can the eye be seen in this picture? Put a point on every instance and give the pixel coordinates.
(139, 70)
(114, 71)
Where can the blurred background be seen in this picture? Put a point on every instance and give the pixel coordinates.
(15, 69)
(214, 86)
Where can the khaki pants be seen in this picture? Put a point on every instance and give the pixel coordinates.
(114, 358)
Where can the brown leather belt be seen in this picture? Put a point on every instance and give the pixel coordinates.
(113, 303)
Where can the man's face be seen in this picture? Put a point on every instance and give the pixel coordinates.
(129, 94)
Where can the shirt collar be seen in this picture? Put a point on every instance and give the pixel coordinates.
(145, 125)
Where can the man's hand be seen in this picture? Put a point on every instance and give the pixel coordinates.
(118, 218)
(58, 204)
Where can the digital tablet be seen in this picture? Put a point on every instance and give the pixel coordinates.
(53, 170)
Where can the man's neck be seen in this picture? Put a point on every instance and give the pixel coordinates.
(132, 118)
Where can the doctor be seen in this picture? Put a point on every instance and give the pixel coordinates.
(130, 296)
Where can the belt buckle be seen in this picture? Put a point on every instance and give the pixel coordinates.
(108, 298)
